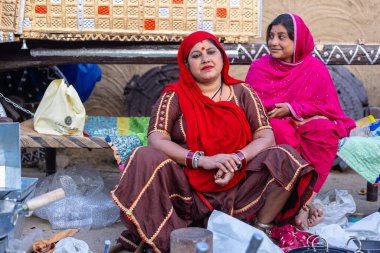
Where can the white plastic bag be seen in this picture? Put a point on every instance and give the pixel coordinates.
(337, 205)
(71, 245)
(60, 111)
(233, 235)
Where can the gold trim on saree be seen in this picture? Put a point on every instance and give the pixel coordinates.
(175, 195)
(289, 186)
(121, 237)
(258, 105)
(131, 156)
(159, 131)
(254, 202)
(129, 211)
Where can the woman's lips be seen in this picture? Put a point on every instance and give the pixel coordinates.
(207, 67)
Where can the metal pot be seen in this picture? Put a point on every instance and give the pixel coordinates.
(320, 249)
(367, 246)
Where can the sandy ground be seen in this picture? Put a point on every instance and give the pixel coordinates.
(95, 238)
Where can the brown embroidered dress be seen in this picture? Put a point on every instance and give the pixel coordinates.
(154, 195)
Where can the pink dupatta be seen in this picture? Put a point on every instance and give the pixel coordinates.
(305, 84)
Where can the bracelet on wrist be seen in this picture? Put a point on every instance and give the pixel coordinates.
(192, 159)
(243, 160)
(196, 157)
(189, 159)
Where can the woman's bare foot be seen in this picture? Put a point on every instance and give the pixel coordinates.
(301, 221)
(316, 215)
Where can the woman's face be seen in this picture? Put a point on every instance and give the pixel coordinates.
(280, 45)
(205, 62)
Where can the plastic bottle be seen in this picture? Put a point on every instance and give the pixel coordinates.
(254, 243)
(202, 247)
(371, 130)
(372, 192)
(365, 121)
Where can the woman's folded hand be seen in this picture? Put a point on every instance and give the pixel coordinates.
(224, 162)
(222, 178)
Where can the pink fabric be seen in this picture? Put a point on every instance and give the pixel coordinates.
(306, 86)
(288, 237)
(316, 141)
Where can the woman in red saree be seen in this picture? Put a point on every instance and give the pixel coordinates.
(210, 146)
(300, 97)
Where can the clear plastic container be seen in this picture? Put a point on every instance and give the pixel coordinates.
(372, 129)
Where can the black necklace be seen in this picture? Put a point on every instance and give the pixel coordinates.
(219, 90)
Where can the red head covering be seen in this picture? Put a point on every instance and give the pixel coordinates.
(305, 84)
(212, 127)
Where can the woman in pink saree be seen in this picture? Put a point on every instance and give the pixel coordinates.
(301, 99)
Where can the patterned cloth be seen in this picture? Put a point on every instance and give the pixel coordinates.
(288, 237)
(363, 155)
(122, 134)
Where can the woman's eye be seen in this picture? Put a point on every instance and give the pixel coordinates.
(210, 52)
(195, 56)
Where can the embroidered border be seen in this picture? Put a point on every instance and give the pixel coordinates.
(158, 112)
(169, 98)
(234, 96)
(258, 105)
(129, 211)
(159, 131)
(300, 166)
(128, 241)
(131, 156)
(162, 224)
(254, 202)
(160, 166)
(176, 195)
(263, 127)
(182, 127)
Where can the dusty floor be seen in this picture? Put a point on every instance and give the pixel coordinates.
(95, 238)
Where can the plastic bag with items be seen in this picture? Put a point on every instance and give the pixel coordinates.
(86, 204)
(233, 235)
(60, 111)
(337, 205)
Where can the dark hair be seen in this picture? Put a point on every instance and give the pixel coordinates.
(285, 20)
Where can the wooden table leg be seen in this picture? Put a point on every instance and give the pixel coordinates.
(50, 161)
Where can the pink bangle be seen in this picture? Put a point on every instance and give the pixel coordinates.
(242, 159)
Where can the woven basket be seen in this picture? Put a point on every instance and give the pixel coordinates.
(9, 14)
(137, 20)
